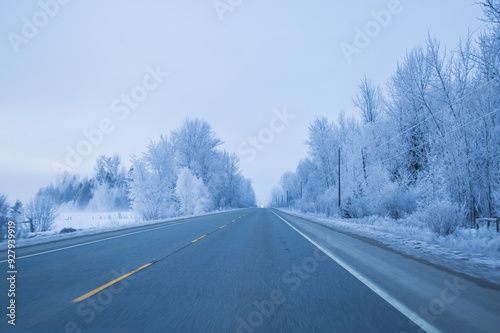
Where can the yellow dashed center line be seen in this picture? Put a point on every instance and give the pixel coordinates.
(109, 284)
(197, 239)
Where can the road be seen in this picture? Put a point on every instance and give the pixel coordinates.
(252, 270)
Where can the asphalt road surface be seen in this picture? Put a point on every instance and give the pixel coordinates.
(253, 270)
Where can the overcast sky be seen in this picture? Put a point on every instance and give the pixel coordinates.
(233, 68)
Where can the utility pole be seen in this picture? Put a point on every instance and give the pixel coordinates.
(339, 179)
(301, 191)
(474, 211)
(287, 198)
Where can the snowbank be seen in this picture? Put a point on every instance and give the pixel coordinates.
(472, 252)
(88, 223)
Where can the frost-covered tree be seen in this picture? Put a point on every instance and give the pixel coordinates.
(195, 146)
(110, 189)
(289, 183)
(70, 191)
(109, 170)
(17, 211)
(244, 193)
(369, 100)
(149, 186)
(436, 143)
(226, 181)
(192, 193)
(277, 199)
(321, 143)
(488, 106)
(85, 192)
(4, 214)
(41, 211)
(187, 174)
(153, 179)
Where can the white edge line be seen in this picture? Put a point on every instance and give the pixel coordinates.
(388, 298)
(96, 241)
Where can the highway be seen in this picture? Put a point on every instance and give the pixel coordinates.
(250, 270)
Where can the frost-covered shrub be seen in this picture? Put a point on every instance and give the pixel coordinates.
(308, 207)
(328, 202)
(42, 211)
(356, 207)
(397, 202)
(442, 217)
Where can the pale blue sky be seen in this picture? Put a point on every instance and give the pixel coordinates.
(233, 73)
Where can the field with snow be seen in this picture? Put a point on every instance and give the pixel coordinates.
(80, 223)
(94, 220)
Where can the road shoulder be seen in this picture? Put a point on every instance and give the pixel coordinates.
(415, 283)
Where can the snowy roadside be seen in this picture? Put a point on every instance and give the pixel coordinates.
(471, 252)
(92, 223)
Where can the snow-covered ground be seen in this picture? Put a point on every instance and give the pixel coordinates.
(85, 223)
(97, 220)
(468, 251)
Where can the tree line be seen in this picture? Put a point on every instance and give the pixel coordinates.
(183, 173)
(428, 141)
